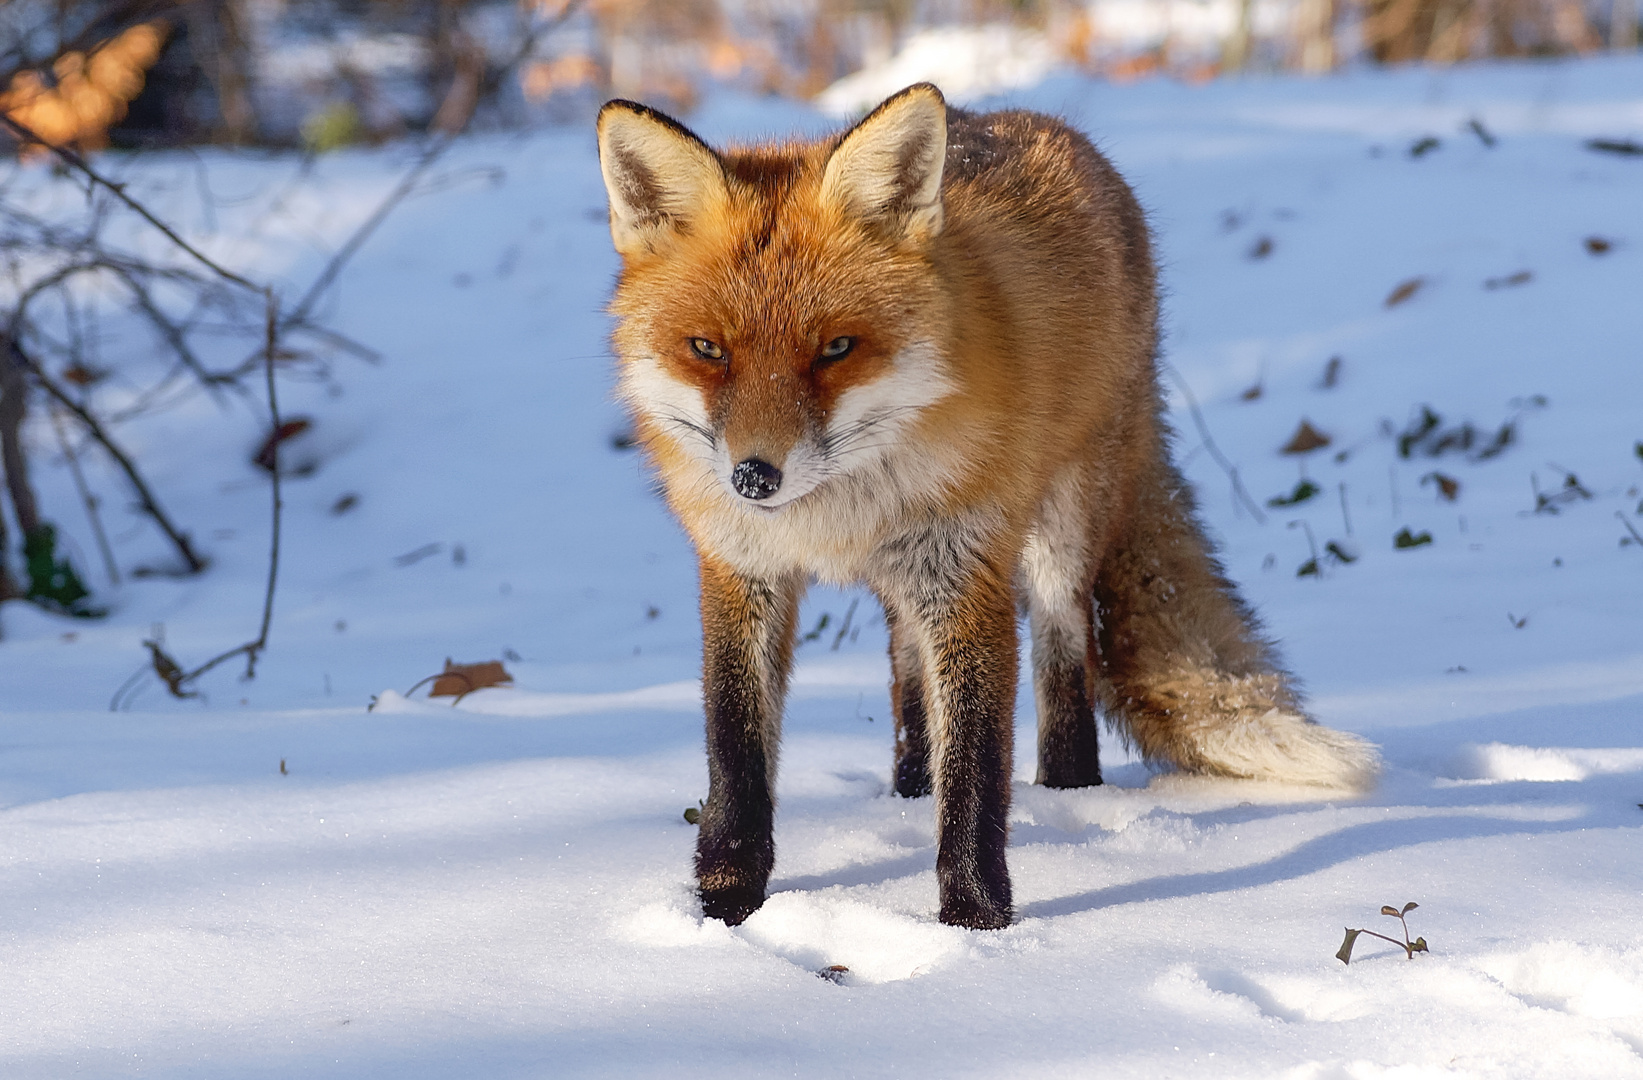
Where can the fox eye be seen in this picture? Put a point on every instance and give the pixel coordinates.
(838, 348)
(706, 349)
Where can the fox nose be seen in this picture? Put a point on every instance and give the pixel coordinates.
(755, 479)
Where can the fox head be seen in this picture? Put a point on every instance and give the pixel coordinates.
(778, 308)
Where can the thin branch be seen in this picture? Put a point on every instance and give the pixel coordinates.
(68, 156)
(252, 649)
(1215, 451)
(407, 184)
(492, 82)
(172, 333)
(150, 504)
(90, 500)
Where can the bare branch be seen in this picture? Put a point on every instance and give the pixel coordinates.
(252, 649)
(87, 497)
(145, 496)
(74, 160)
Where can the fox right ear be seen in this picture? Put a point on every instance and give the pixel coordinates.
(659, 175)
(887, 169)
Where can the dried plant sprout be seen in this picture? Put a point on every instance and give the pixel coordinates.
(1410, 948)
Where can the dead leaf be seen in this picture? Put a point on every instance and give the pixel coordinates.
(1306, 439)
(1405, 291)
(1261, 248)
(264, 458)
(460, 679)
(81, 375)
(1448, 486)
(1344, 955)
(1597, 245)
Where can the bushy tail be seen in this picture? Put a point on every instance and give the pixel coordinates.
(1208, 722)
(1189, 679)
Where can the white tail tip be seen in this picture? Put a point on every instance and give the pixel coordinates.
(1290, 749)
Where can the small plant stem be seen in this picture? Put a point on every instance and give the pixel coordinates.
(1346, 516)
(1635, 537)
(1405, 945)
(1215, 451)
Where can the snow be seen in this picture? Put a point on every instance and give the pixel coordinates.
(502, 888)
(967, 62)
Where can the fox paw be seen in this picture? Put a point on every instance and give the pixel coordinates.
(731, 905)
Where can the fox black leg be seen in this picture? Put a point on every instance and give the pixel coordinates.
(1065, 663)
(912, 767)
(962, 609)
(748, 630)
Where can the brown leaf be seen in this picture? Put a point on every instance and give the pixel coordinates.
(1405, 291)
(1597, 245)
(460, 679)
(1448, 486)
(1388, 909)
(81, 375)
(1306, 439)
(1345, 953)
(1262, 248)
(290, 429)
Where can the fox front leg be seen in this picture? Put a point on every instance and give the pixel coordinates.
(961, 609)
(748, 629)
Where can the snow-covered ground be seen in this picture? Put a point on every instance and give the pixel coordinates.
(503, 888)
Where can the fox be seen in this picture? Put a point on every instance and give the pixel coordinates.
(923, 356)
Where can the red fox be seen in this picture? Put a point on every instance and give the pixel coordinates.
(922, 355)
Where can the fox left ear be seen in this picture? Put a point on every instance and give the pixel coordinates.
(660, 177)
(888, 168)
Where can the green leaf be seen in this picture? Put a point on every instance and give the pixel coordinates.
(1304, 490)
(1639, 449)
(53, 582)
(1419, 945)
(1345, 953)
(693, 815)
(1407, 539)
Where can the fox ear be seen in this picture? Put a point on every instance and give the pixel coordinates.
(887, 169)
(660, 177)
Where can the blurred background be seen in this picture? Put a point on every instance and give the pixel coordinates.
(324, 73)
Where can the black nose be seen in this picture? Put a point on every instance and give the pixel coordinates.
(755, 479)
